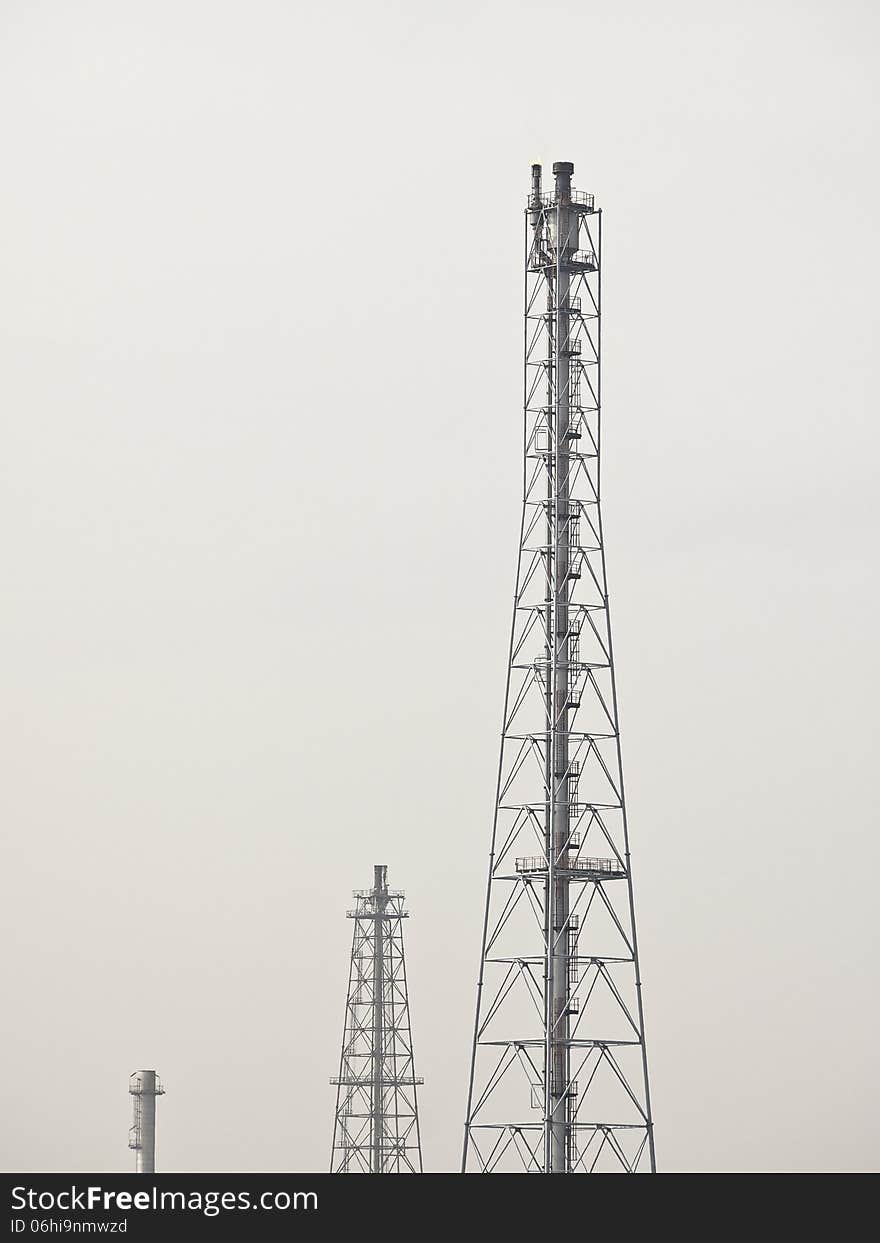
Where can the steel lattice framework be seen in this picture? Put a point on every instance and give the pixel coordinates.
(377, 1122)
(559, 1076)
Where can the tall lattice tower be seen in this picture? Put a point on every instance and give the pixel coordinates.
(377, 1121)
(559, 1074)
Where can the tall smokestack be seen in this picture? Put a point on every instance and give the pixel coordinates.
(144, 1087)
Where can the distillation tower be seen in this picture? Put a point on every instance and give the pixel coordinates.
(144, 1087)
(559, 1075)
(376, 1130)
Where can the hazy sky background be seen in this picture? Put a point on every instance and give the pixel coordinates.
(260, 386)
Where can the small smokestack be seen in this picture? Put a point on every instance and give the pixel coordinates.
(144, 1087)
(380, 877)
(535, 197)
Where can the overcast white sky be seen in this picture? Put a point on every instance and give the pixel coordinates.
(260, 376)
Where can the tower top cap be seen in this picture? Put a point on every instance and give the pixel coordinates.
(563, 166)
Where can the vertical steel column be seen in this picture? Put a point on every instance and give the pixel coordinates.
(144, 1087)
(557, 1080)
(380, 889)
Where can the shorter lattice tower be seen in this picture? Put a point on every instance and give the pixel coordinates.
(377, 1122)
